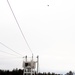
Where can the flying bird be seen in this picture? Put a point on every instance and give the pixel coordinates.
(48, 5)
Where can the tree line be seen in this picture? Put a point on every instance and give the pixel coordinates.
(20, 72)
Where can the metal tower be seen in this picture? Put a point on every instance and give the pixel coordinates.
(30, 66)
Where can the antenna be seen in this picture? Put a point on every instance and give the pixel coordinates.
(37, 64)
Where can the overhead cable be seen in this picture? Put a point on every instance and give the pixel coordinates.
(10, 48)
(19, 27)
(6, 52)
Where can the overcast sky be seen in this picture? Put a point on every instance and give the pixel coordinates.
(49, 30)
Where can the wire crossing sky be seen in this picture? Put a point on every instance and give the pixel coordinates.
(19, 27)
(10, 49)
(6, 53)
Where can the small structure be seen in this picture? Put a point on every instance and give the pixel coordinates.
(30, 66)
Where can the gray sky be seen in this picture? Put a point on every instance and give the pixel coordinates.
(50, 32)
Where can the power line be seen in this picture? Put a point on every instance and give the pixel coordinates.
(19, 27)
(6, 52)
(10, 48)
(9, 57)
(9, 54)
